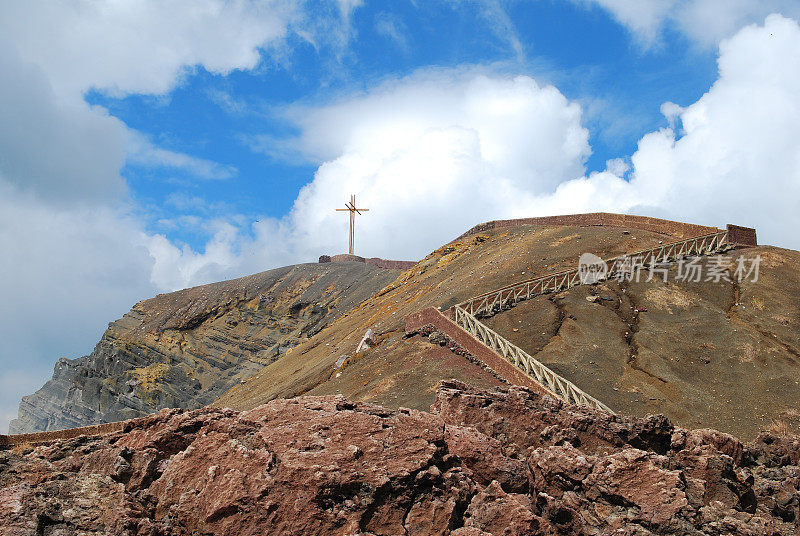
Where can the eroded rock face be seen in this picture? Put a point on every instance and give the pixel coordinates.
(495, 462)
(186, 348)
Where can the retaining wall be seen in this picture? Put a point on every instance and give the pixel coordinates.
(506, 370)
(37, 438)
(739, 236)
(374, 261)
(603, 219)
(391, 265)
(345, 257)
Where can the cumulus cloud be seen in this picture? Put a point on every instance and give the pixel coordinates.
(430, 155)
(63, 151)
(456, 145)
(141, 46)
(526, 132)
(55, 145)
(735, 155)
(705, 22)
(433, 153)
(73, 255)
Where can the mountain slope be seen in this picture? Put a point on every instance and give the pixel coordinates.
(186, 348)
(705, 354)
(463, 268)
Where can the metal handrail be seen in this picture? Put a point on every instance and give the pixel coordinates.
(466, 313)
(559, 386)
(492, 302)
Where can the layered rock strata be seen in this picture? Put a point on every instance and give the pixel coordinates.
(186, 348)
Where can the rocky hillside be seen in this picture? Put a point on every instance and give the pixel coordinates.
(404, 372)
(186, 348)
(482, 462)
(706, 354)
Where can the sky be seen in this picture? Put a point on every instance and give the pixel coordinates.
(153, 145)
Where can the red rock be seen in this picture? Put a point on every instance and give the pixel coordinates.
(500, 462)
(494, 511)
(722, 442)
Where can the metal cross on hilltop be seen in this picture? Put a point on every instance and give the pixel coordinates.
(351, 208)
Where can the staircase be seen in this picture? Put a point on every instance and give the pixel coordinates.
(466, 314)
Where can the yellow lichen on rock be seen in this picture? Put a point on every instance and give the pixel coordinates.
(150, 376)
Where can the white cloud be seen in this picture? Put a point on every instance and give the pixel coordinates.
(51, 142)
(227, 101)
(525, 131)
(141, 46)
(72, 257)
(644, 19)
(502, 26)
(62, 151)
(65, 272)
(141, 151)
(705, 22)
(394, 29)
(736, 158)
(438, 151)
(346, 8)
(709, 21)
(430, 154)
(617, 167)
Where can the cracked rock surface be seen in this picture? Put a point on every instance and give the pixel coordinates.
(482, 462)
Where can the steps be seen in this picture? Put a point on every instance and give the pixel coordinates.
(465, 315)
(462, 325)
(487, 304)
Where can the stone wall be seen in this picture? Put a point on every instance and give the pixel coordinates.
(374, 261)
(345, 257)
(506, 370)
(742, 236)
(391, 265)
(603, 219)
(37, 438)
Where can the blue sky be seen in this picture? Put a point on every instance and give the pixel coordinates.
(152, 145)
(580, 49)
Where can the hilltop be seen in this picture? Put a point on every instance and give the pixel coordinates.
(706, 354)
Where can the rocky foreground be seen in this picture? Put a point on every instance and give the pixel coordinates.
(504, 461)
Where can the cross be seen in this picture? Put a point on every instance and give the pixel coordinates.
(351, 208)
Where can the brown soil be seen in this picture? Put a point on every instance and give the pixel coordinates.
(452, 273)
(705, 354)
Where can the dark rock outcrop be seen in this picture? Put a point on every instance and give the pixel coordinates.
(186, 348)
(505, 461)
